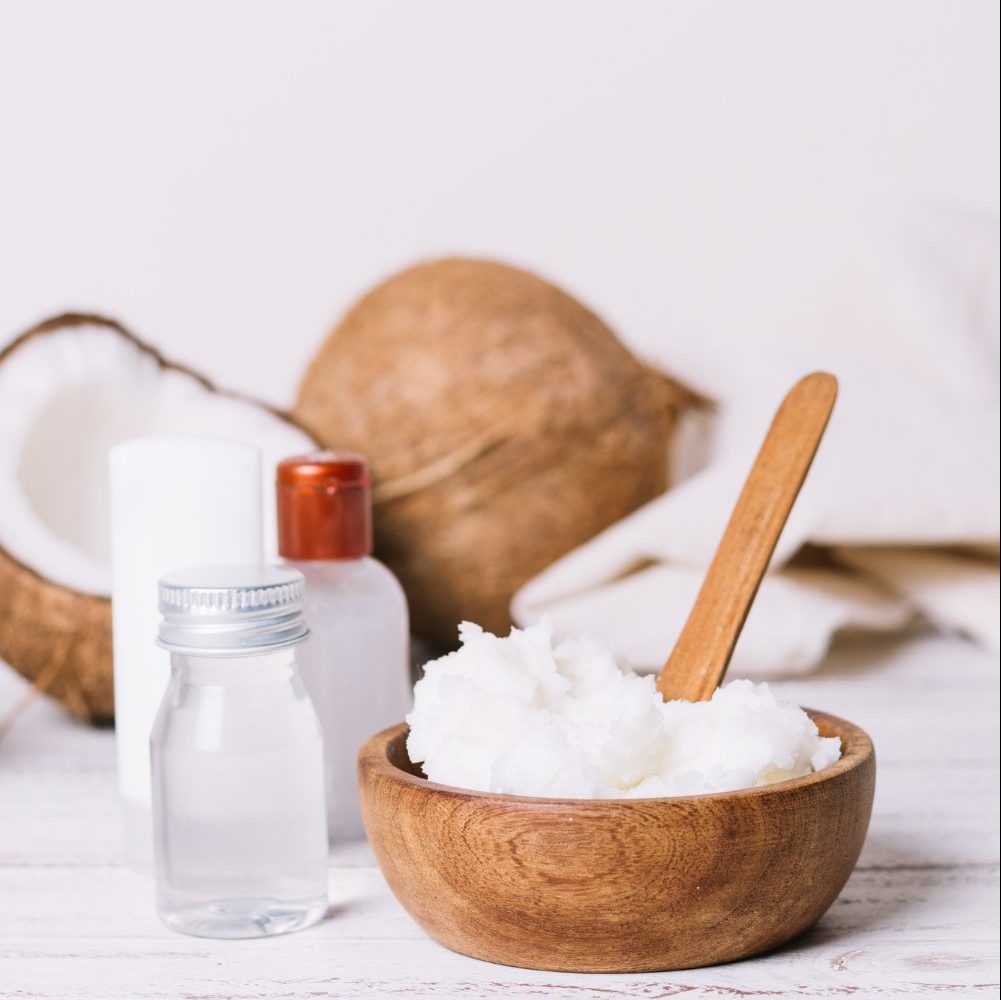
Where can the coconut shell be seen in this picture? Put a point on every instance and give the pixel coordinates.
(57, 637)
(60, 639)
(505, 423)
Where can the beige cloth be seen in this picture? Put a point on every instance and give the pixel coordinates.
(903, 497)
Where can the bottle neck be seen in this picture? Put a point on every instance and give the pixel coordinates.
(253, 667)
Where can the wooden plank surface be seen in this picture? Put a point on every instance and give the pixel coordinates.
(918, 918)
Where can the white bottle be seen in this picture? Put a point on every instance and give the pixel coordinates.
(356, 663)
(174, 501)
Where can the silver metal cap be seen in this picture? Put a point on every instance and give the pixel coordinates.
(231, 610)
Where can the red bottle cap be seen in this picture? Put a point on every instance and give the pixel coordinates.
(324, 506)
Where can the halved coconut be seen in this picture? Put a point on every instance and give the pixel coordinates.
(69, 389)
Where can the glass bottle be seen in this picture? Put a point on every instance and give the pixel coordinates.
(239, 820)
(356, 664)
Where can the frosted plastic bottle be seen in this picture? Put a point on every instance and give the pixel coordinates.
(356, 663)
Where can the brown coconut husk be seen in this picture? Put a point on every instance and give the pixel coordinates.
(505, 422)
(57, 637)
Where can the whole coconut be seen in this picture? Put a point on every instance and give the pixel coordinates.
(505, 423)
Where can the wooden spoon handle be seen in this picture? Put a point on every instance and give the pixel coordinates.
(700, 657)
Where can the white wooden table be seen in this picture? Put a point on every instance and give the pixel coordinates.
(918, 918)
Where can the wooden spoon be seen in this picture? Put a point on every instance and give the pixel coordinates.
(702, 653)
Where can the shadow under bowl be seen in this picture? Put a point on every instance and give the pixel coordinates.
(617, 885)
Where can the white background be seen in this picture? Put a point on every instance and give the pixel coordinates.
(226, 176)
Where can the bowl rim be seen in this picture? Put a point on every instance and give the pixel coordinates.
(374, 756)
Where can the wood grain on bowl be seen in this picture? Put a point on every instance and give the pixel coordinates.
(617, 885)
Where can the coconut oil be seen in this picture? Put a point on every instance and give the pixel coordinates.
(238, 795)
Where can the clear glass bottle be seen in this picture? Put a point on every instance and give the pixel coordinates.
(239, 817)
(356, 664)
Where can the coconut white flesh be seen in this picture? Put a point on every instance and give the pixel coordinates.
(65, 398)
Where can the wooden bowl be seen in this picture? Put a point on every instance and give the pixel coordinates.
(617, 885)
